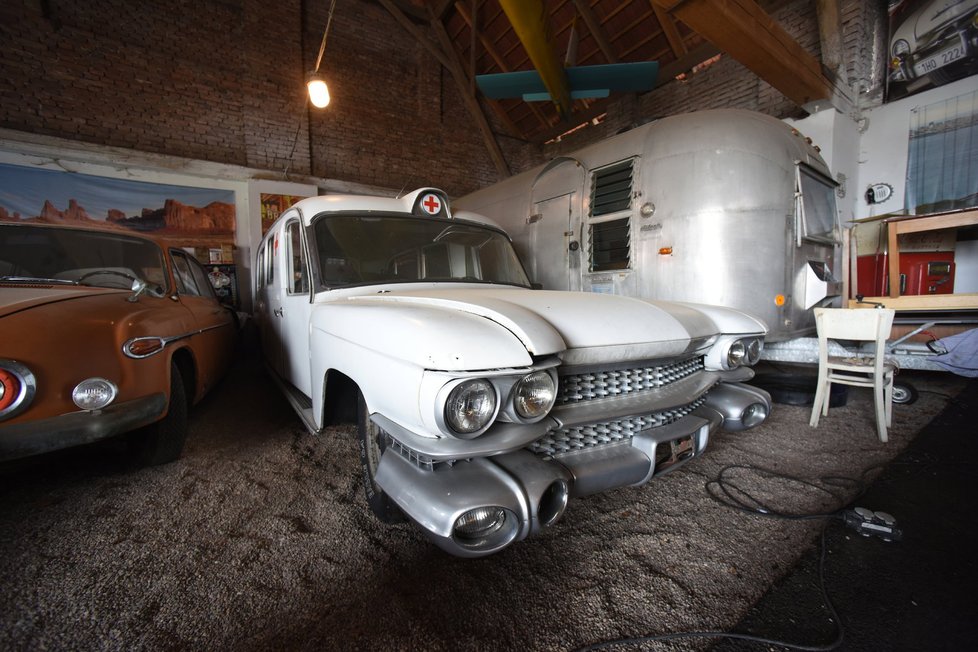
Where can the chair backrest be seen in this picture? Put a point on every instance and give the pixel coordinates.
(858, 324)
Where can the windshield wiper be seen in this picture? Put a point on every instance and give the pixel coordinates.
(37, 279)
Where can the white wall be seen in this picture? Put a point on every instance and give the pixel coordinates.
(885, 140)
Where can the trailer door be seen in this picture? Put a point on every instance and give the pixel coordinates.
(554, 228)
(555, 253)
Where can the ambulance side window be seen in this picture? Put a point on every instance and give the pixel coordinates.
(298, 271)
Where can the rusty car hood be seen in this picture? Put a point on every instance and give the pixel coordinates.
(14, 298)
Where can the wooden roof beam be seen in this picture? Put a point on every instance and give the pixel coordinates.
(597, 32)
(670, 30)
(743, 30)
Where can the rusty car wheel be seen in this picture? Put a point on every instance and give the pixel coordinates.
(162, 442)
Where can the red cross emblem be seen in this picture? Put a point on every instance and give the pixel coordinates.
(431, 204)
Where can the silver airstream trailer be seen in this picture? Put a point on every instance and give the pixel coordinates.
(727, 207)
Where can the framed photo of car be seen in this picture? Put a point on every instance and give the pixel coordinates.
(932, 42)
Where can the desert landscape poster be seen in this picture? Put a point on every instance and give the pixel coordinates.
(177, 214)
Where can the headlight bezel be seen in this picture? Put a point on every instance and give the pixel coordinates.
(451, 392)
(900, 49)
(524, 381)
(22, 386)
(724, 354)
(506, 383)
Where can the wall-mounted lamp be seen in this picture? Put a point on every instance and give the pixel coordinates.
(316, 81)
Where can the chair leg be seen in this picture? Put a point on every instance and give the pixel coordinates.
(888, 398)
(820, 392)
(878, 399)
(826, 397)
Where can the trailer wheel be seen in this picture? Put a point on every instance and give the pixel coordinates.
(904, 393)
(373, 442)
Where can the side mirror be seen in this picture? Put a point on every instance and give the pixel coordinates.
(138, 287)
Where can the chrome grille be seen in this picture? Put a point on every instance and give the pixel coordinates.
(421, 461)
(568, 440)
(592, 385)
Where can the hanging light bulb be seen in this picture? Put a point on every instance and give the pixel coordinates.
(315, 81)
(318, 91)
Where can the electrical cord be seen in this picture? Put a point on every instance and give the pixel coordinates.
(726, 492)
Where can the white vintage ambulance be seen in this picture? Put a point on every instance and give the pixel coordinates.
(483, 404)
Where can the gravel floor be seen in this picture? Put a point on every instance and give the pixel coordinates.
(259, 539)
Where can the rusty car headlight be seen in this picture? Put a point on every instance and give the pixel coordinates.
(470, 407)
(534, 395)
(94, 393)
(17, 388)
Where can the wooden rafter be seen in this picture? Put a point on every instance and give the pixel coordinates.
(470, 101)
(670, 30)
(597, 32)
(742, 29)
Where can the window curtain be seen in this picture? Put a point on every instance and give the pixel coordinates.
(942, 167)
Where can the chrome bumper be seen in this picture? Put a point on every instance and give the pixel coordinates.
(533, 489)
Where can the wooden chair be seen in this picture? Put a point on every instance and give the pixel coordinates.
(862, 325)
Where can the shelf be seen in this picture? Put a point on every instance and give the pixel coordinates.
(896, 226)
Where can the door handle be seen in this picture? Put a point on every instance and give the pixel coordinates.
(278, 312)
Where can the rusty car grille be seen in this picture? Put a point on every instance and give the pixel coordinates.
(578, 438)
(591, 385)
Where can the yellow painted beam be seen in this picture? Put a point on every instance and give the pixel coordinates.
(529, 21)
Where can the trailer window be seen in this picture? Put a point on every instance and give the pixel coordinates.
(611, 194)
(815, 208)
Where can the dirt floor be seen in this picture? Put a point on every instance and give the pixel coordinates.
(259, 538)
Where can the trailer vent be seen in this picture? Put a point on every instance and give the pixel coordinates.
(611, 192)
(611, 188)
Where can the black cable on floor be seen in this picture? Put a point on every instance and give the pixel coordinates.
(727, 493)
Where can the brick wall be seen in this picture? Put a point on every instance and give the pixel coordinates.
(222, 80)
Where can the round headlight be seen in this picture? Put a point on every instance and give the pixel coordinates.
(735, 354)
(477, 524)
(94, 393)
(470, 406)
(753, 351)
(900, 48)
(534, 395)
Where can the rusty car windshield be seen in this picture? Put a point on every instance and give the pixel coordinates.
(361, 249)
(79, 257)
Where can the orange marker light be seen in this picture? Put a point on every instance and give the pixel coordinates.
(665, 251)
(779, 300)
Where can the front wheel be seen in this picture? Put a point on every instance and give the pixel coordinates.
(373, 441)
(162, 442)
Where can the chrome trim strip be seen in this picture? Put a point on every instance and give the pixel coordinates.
(127, 346)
